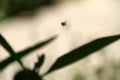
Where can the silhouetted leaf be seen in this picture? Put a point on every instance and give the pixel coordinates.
(38, 45)
(82, 52)
(25, 52)
(39, 63)
(6, 45)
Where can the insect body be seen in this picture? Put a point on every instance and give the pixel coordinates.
(64, 23)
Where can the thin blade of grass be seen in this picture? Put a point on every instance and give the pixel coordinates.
(25, 52)
(39, 45)
(82, 52)
(6, 45)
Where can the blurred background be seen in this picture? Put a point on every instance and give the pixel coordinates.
(86, 20)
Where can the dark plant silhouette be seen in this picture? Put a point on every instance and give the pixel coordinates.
(39, 63)
(27, 75)
(17, 56)
(63, 61)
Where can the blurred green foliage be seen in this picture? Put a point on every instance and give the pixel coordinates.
(80, 77)
(109, 71)
(17, 6)
(3, 9)
(10, 8)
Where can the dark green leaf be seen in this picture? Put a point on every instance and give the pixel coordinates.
(39, 63)
(27, 75)
(6, 45)
(25, 52)
(38, 45)
(82, 52)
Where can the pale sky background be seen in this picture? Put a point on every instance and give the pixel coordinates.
(86, 20)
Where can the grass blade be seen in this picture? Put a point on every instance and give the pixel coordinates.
(6, 45)
(33, 48)
(82, 52)
(23, 53)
